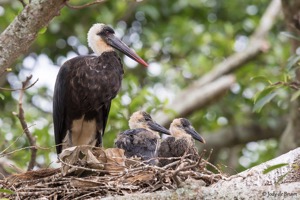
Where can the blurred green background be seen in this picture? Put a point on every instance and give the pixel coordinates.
(182, 40)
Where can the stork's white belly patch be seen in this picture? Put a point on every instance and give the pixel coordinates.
(84, 132)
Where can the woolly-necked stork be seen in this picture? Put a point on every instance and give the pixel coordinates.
(85, 87)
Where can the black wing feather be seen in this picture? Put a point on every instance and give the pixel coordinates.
(102, 121)
(59, 115)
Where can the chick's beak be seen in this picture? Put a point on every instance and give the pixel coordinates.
(158, 128)
(195, 135)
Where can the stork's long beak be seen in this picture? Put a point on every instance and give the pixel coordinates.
(121, 46)
(158, 128)
(195, 135)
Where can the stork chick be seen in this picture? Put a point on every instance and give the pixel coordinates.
(142, 140)
(180, 142)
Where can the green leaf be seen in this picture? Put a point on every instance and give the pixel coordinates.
(263, 93)
(263, 101)
(274, 167)
(261, 79)
(295, 95)
(292, 61)
(42, 30)
(282, 177)
(2, 97)
(6, 191)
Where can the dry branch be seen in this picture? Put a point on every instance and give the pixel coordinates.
(27, 87)
(21, 117)
(256, 46)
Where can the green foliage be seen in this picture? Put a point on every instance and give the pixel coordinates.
(182, 40)
(269, 92)
(266, 96)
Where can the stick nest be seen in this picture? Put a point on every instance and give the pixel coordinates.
(88, 172)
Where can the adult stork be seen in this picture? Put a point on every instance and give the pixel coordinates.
(180, 142)
(142, 139)
(85, 87)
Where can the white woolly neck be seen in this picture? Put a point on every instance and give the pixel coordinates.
(95, 42)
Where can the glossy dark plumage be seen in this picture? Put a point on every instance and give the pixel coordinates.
(85, 86)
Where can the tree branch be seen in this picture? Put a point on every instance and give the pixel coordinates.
(21, 33)
(27, 87)
(196, 98)
(21, 117)
(256, 46)
(243, 134)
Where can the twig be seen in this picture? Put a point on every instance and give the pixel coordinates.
(85, 5)
(206, 161)
(2, 153)
(21, 117)
(175, 174)
(29, 147)
(171, 164)
(79, 167)
(216, 168)
(27, 87)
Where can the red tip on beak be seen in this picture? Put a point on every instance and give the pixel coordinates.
(142, 62)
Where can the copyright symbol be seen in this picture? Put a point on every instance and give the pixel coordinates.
(264, 193)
